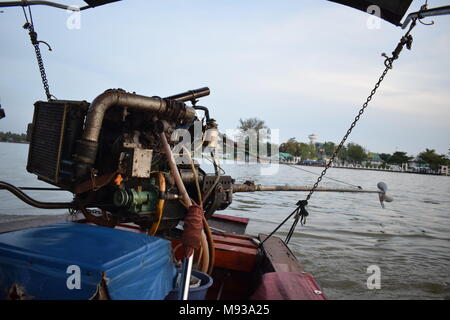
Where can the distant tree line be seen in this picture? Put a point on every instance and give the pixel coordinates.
(13, 137)
(356, 154)
(350, 153)
(429, 156)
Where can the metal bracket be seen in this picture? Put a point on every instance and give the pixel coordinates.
(425, 13)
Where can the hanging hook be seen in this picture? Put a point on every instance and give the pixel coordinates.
(33, 35)
(48, 46)
(424, 8)
(388, 62)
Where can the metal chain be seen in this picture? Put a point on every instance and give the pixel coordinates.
(338, 149)
(300, 212)
(34, 41)
(42, 70)
(405, 40)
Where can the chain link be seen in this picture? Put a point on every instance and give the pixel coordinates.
(29, 25)
(338, 149)
(405, 40)
(300, 212)
(42, 70)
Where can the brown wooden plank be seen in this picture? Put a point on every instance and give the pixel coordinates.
(239, 241)
(230, 254)
(227, 226)
(279, 256)
(231, 285)
(230, 218)
(233, 257)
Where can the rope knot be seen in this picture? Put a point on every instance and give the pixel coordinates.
(302, 213)
(302, 203)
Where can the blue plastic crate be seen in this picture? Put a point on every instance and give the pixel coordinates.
(42, 262)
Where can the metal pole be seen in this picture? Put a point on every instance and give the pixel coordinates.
(186, 271)
(426, 13)
(31, 3)
(24, 3)
(256, 188)
(191, 95)
(30, 201)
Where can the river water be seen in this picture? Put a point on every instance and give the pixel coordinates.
(345, 234)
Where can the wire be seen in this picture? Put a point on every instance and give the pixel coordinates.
(208, 193)
(330, 178)
(211, 247)
(298, 168)
(300, 212)
(25, 14)
(194, 172)
(159, 205)
(31, 16)
(207, 158)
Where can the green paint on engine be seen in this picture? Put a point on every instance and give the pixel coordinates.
(137, 202)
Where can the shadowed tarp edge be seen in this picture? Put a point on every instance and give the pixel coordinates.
(391, 10)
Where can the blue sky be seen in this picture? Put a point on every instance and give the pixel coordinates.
(302, 66)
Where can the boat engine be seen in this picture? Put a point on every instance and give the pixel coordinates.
(110, 155)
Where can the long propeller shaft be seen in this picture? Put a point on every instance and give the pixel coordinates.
(258, 187)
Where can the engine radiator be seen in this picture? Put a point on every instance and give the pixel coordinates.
(57, 124)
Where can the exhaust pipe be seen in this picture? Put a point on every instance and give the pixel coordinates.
(86, 150)
(190, 95)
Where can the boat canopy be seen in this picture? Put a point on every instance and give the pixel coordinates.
(23, 3)
(96, 3)
(390, 10)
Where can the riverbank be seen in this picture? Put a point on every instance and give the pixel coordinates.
(21, 142)
(373, 169)
(10, 137)
(393, 170)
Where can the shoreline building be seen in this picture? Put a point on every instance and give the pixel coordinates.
(312, 139)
